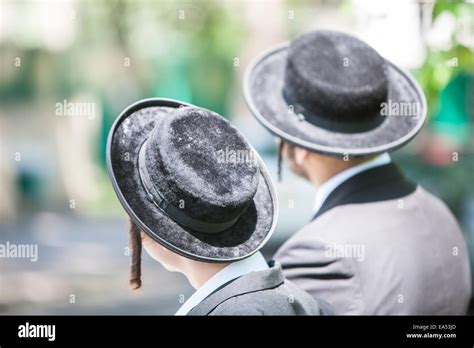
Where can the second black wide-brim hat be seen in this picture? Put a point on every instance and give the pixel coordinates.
(190, 180)
(331, 93)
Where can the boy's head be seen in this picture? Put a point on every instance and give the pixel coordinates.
(192, 184)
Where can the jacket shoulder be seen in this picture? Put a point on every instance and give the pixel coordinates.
(285, 299)
(237, 306)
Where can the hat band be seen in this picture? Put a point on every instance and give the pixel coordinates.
(328, 124)
(173, 212)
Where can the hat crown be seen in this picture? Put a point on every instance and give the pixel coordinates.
(335, 81)
(202, 164)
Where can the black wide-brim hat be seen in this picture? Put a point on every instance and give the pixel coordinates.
(252, 206)
(324, 91)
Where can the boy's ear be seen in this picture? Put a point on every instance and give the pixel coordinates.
(300, 155)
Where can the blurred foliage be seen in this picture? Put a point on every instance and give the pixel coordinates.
(305, 10)
(177, 49)
(442, 65)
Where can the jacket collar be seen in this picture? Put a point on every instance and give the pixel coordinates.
(325, 189)
(373, 185)
(234, 270)
(251, 282)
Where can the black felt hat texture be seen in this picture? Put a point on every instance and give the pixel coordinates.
(332, 93)
(185, 151)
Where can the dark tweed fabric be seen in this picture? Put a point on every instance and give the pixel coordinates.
(183, 145)
(184, 149)
(311, 73)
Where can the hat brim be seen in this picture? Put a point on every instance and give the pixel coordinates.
(251, 231)
(263, 86)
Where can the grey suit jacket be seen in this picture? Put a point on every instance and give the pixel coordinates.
(381, 245)
(259, 293)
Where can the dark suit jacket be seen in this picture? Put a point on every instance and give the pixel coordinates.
(259, 293)
(381, 245)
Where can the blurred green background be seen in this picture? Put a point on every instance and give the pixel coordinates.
(54, 191)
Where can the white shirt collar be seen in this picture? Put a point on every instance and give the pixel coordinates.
(254, 263)
(327, 187)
